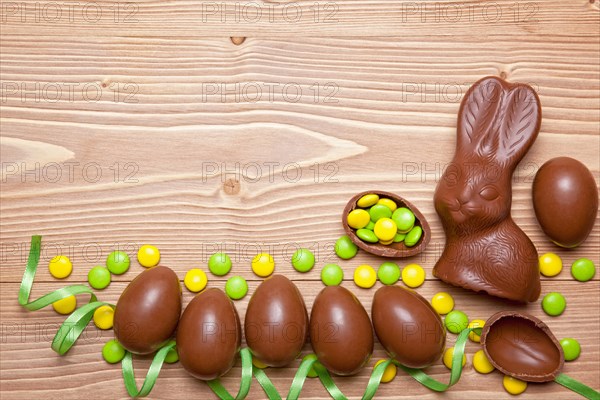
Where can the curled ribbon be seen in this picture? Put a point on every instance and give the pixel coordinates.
(74, 325)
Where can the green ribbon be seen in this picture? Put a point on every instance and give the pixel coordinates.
(151, 376)
(245, 383)
(455, 371)
(577, 387)
(75, 324)
(374, 380)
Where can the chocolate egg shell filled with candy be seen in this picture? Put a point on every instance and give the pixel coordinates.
(565, 200)
(396, 250)
(148, 310)
(522, 346)
(340, 331)
(276, 323)
(407, 326)
(209, 335)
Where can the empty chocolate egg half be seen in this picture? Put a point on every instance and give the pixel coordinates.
(522, 346)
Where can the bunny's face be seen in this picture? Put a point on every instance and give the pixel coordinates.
(471, 194)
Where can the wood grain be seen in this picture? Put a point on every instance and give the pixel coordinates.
(193, 171)
(299, 18)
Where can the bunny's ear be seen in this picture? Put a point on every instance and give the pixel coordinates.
(478, 112)
(498, 120)
(519, 126)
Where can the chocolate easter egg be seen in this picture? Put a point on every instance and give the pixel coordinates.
(148, 310)
(340, 331)
(522, 346)
(565, 200)
(276, 323)
(407, 326)
(209, 335)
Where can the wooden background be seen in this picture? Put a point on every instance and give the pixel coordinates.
(115, 133)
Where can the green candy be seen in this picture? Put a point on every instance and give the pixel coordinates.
(99, 277)
(456, 321)
(344, 248)
(399, 237)
(117, 262)
(332, 275)
(379, 211)
(219, 264)
(404, 219)
(303, 260)
(113, 352)
(367, 236)
(583, 269)
(172, 356)
(388, 273)
(554, 304)
(413, 236)
(571, 348)
(236, 287)
(370, 226)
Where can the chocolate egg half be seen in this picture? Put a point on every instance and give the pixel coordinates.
(407, 326)
(565, 200)
(148, 310)
(276, 324)
(522, 346)
(340, 331)
(209, 335)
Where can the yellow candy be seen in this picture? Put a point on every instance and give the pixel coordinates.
(514, 385)
(195, 280)
(66, 305)
(263, 264)
(481, 363)
(413, 275)
(358, 219)
(148, 256)
(258, 364)
(442, 302)
(390, 372)
(60, 267)
(448, 354)
(550, 264)
(367, 200)
(365, 276)
(476, 323)
(389, 203)
(386, 243)
(385, 229)
(104, 316)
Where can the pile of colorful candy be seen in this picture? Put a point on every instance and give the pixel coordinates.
(380, 220)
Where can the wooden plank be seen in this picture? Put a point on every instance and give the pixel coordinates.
(299, 18)
(26, 338)
(368, 138)
(178, 162)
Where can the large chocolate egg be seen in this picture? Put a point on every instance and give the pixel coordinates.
(209, 335)
(407, 326)
(276, 324)
(565, 200)
(148, 310)
(522, 346)
(340, 331)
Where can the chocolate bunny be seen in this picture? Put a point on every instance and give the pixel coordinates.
(485, 250)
